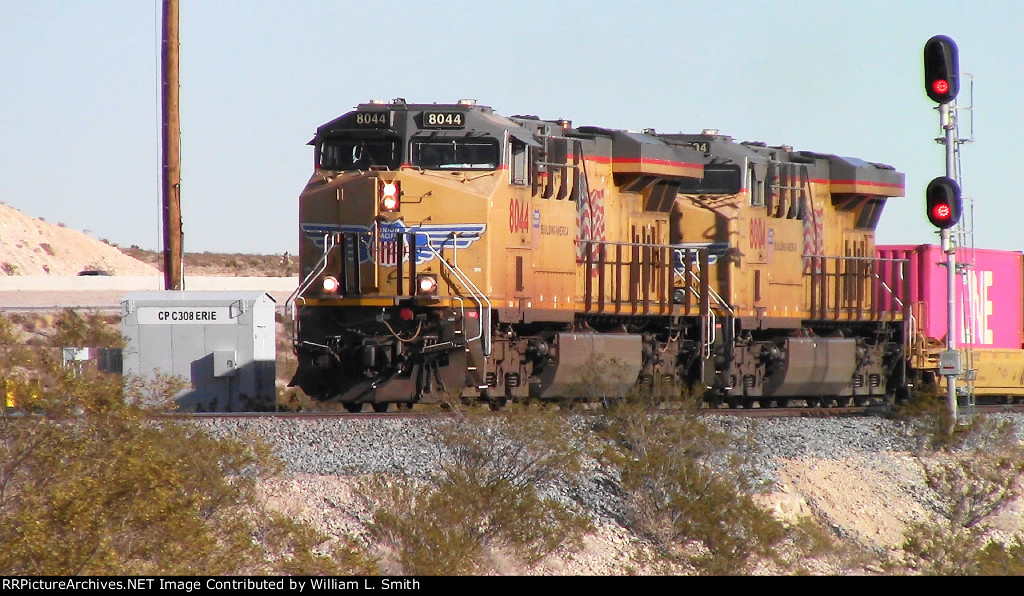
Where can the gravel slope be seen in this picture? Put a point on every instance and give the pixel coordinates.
(856, 474)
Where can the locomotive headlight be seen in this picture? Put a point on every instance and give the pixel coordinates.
(389, 194)
(426, 285)
(330, 284)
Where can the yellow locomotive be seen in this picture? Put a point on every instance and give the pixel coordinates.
(448, 251)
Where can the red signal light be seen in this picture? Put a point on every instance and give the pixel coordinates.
(943, 201)
(941, 69)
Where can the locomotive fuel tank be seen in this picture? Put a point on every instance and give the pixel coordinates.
(588, 365)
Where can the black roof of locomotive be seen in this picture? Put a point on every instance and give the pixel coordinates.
(697, 148)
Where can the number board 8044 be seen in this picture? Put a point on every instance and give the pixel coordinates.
(443, 120)
(373, 119)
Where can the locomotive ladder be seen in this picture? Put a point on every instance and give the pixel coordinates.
(710, 320)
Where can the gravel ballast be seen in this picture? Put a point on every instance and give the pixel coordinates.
(407, 447)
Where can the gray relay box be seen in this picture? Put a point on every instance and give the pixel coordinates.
(221, 343)
(949, 363)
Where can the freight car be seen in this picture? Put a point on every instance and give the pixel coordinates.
(989, 308)
(448, 251)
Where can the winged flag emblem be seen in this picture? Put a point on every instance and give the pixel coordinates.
(716, 250)
(380, 243)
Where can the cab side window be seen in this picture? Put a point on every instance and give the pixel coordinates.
(519, 170)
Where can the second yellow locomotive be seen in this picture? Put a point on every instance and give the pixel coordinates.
(449, 251)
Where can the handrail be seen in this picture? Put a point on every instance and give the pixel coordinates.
(830, 291)
(709, 334)
(711, 291)
(330, 241)
(711, 321)
(474, 293)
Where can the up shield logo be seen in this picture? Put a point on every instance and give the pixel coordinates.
(380, 244)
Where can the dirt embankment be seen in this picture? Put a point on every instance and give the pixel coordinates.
(30, 246)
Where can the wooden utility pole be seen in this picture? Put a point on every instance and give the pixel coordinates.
(171, 149)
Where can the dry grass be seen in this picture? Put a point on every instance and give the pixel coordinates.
(224, 264)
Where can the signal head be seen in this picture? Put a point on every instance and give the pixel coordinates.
(943, 202)
(941, 69)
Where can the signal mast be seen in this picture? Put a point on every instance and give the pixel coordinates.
(943, 201)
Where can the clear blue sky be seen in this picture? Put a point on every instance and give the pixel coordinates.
(80, 111)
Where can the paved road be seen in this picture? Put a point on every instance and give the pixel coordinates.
(35, 292)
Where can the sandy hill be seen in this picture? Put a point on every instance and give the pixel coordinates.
(30, 246)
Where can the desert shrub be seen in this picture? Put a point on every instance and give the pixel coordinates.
(997, 559)
(487, 496)
(71, 328)
(927, 416)
(94, 483)
(13, 352)
(107, 493)
(682, 492)
(970, 486)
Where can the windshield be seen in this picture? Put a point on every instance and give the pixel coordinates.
(455, 154)
(358, 154)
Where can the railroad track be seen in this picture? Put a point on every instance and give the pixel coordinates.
(426, 412)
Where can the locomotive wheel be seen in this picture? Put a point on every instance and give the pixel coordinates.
(844, 402)
(860, 402)
(812, 402)
(380, 408)
(782, 402)
(353, 408)
(827, 402)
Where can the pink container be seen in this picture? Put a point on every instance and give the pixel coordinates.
(989, 295)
